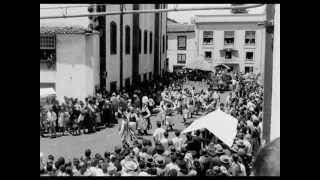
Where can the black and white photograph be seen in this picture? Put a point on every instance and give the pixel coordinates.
(159, 89)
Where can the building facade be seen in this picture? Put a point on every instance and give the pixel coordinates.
(143, 52)
(181, 45)
(69, 61)
(236, 40)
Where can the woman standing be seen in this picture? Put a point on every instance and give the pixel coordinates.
(132, 117)
(146, 115)
(60, 121)
(142, 124)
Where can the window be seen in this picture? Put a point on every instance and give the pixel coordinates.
(208, 54)
(207, 37)
(181, 59)
(139, 41)
(228, 37)
(249, 56)
(47, 48)
(250, 38)
(145, 41)
(163, 43)
(150, 48)
(228, 55)
(127, 40)
(248, 69)
(113, 38)
(182, 42)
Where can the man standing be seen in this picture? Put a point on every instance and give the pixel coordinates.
(158, 133)
(177, 141)
(51, 118)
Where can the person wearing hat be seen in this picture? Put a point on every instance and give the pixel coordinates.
(129, 167)
(226, 161)
(235, 168)
(183, 169)
(160, 166)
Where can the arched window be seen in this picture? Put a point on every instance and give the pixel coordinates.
(113, 38)
(127, 40)
(145, 44)
(140, 37)
(151, 45)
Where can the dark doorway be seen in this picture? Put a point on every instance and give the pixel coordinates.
(113, 86)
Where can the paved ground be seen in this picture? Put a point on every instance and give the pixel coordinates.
(99, 142)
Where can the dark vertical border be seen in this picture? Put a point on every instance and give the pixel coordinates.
(268, 76)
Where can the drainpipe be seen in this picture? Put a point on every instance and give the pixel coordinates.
(121, 47)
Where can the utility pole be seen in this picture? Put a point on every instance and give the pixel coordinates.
(121, 47)
(270, 9)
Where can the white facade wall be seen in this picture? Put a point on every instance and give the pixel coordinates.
(77, 66)
(216, 24)
(172, 53)
(146, 61)
(112, 60)
(127, 58)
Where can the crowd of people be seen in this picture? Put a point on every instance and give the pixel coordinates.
(199, 153)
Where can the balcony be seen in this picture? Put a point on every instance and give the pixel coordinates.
(47, 65)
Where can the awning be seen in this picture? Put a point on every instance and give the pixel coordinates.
(229, 50)
(199, 64)
(46, 92)
(223, 65)
(221, 124)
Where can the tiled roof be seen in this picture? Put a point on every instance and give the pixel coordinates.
(180, 27)
(65, 30)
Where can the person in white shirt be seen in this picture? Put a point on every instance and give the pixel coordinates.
(177, 141)
(165, 140)
(52, 117)
(158, 133)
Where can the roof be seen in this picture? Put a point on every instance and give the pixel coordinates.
(65, 30)
(180, 27)
(172, 21)
(225, 18)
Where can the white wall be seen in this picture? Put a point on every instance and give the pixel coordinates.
(77, 66)
(146, 61)
(275, 103)
(239, 44)
(92, 62)
(112, 60)
(191, 51)
(127, 58)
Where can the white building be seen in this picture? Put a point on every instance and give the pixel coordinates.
(181, 45)
(69, 61)
(236, 40)
(144, 45)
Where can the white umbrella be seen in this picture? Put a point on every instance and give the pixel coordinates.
(221, 124)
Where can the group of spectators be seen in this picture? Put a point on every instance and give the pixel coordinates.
(199, 153)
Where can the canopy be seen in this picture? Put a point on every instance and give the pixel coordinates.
(221, 124)
(45, 92)
(200, 64)
(224, 66)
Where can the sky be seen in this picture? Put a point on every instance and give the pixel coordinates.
(182, 16)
